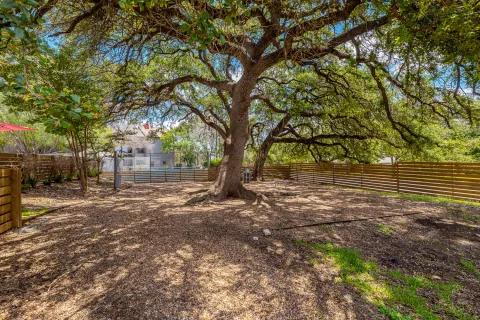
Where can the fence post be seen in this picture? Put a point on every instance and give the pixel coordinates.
(180, 174)
(35, 165)
(16, 176)
(397, 176)
(313, 173)
(453, 180)
(150, 166)
(134, 176)
(165, 175)
(361, 175)
(333, 172)
(193, 175)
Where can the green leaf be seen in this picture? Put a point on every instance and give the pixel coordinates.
(8, 4)
(75, 98)
(78, 110)
(95, 107)
(65, 124)
(19, 79)
(87, 115)
(222, 39)
(19, 33)
(74, 115)
(32, 3)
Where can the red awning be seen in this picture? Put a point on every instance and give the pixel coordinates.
(11, 127)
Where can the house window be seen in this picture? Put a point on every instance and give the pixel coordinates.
(164, 162)
(129, 150)
(140, 150)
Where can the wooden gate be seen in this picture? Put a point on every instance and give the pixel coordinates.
(10, 199)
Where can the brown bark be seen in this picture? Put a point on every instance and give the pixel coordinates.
(80, 160)
(261, 158)
(265, 147)
(228, 183)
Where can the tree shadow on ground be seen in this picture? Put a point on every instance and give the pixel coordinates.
(143, 254)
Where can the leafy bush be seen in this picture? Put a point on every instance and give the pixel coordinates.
(93, 172)
(32, 182)
(25, 187)
(47, 182)
(215, 162)
(58, 178)
(69, 177)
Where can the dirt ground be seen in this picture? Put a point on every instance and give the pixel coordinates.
(142, 254)
(64, 194)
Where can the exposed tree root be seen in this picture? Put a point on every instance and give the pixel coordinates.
(198, 191)
(347, 221)
(211, 196)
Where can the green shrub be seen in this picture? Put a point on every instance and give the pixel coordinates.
(47, 182)
(32, 182)
(93, 173)
(58, 178)
(215, 162)
(25, 187)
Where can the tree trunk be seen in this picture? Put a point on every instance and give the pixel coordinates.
(228, 183)
(99, 167)
(266, 145)
(78, 156)
(261, 158)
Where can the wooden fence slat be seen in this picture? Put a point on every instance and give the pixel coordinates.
(5, 190)
(5, 208)
(16, 198)
(5, 182)
(5, 199)
(5, 226)
(5, 172)
(5, 217)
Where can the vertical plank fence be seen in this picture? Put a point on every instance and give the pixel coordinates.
(10, 199)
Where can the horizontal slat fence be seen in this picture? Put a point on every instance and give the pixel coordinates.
(156, 176)
(449, 179)
(273, 171)
(10, 199)
(39, 166)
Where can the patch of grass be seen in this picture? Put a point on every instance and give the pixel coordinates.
(29, 213)
(387, 230)
(470, 267)
(425, 198)
(390, 290)
(324, 228)
(394, 314)
(463, 214)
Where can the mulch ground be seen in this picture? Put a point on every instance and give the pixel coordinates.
(142, 254)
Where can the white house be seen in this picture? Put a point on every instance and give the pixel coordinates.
(139, 152)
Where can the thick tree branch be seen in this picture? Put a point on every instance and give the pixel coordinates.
(202, 117)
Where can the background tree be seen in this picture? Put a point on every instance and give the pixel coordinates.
(64, 98)
(26, 142)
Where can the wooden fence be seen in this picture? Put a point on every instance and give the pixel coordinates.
(155, 176)
(449, 179)
(10, 199)
(38, 166)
